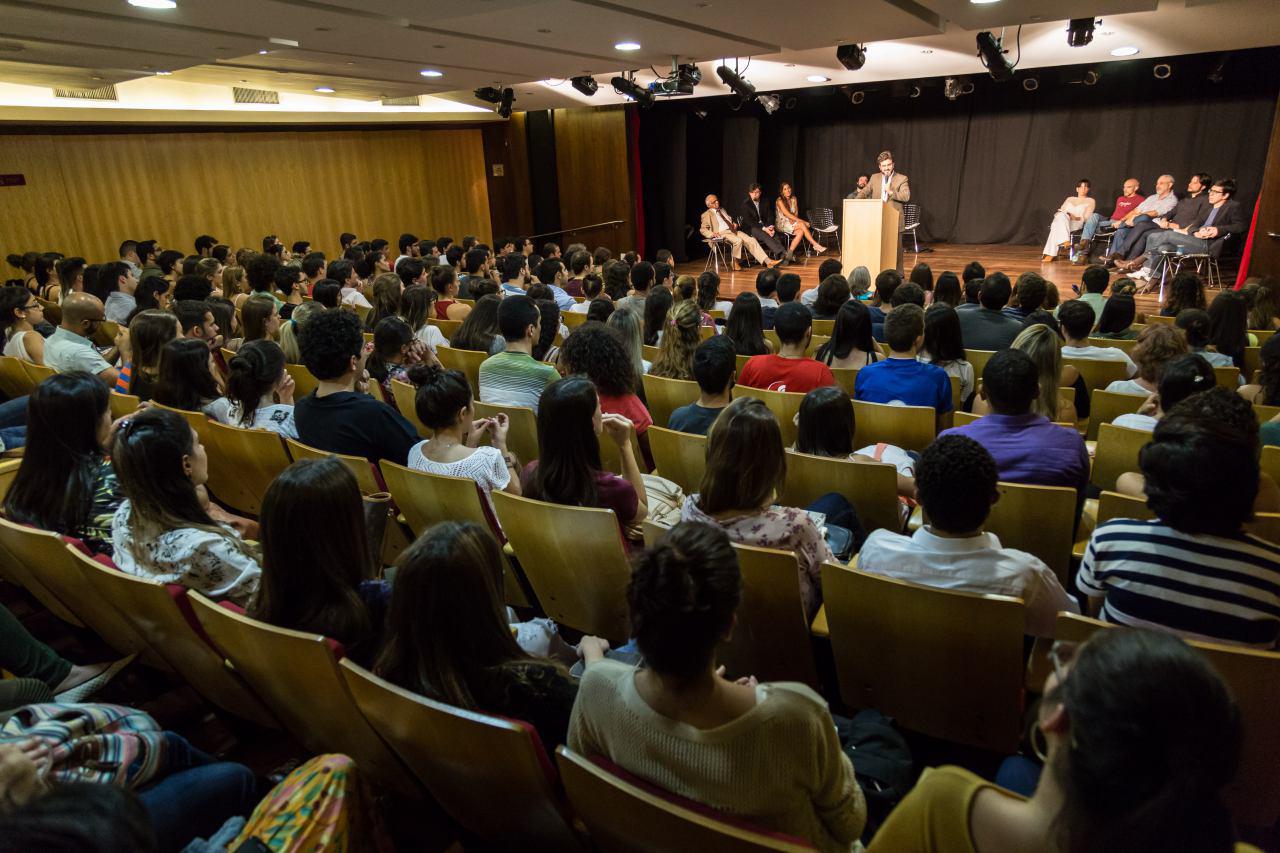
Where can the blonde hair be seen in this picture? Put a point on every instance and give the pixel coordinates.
(291, 328)
(232, 282)
(681, 334)
(686, 288)
(1041, 343)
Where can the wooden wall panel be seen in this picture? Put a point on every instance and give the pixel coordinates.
(591, 162)
(87, 193)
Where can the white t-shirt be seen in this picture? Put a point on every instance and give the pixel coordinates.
(580, 307)
(1133, 420)
(895, 456)
(219, 410)
(352, 296)
(960, 369)
(277, 417)
(1102, 354)
(486, 466)
(431, 336)
(1127, 386)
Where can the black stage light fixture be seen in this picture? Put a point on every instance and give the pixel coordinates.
(688, 74)
(770, 103)
(1080, 31)
(508, 98)
(954, 87)
(490, 94)
(740, 87)
(1163, 71)
(585, 85)
(852, 56)
(632, 90)
(992, 57)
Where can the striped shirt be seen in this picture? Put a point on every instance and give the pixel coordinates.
(1222, 589)
(514, 379)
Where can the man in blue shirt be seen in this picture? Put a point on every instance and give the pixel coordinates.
(900, 379)
(887, 282)
(551, 272)
(714, 362)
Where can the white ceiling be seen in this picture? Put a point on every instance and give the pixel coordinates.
(371, 49)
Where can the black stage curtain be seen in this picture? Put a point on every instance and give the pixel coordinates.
(540, 139)
(989, 167)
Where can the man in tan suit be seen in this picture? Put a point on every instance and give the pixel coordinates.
(718, 224)
(888, 185)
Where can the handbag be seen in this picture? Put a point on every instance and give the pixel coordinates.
(881, 760)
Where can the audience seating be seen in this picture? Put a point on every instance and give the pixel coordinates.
(1108, 506)
(663, 396)
(468, 361)
(771, 637)
(573, 319)
(681, 457)
(908, 427)
(1227, 377)
(428, 499)
(1265, 525)
(492, 775)
(404, 396)
(36, 373)
(611, 459)
(1265, 413)
(944, 663)
(1263, 335)
(574, 560)
(627, 815)
(846, 378)
(978, 358)
(16, 568)
(1113, 343)
(446, 327)
(872, 487)
(247, 460)
(815, 341)
(1270, 461)
(1106, 406)
(123, 405)
(52, 311)
(359, 466)
(14, 381)
(785, 405)
(824, 327)
(105, 334)
(522, 436)
(1116, 454)
(199, 421)
(1040, 520)
(290, 670)
(304, 382)
(1252, 362)
(1098, 374)
(650, 353)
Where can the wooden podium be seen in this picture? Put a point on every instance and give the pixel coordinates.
(871, 237)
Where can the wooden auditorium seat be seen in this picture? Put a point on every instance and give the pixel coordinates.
(405, 396)
(771, 637)
(908, 427)
(522, 434)
(468, 361)
(1098, 374)
(359, 466)
(681, 457)
(1116, 454)
(36, 373)
(245, 461)
(15, 552)
(14, 381)
(663, 396)
(447, 327)
(1227, 377)
(1040, 520)
(1106, 406)
(427, 499)
(304, 382)
(872, 487)
(8, 471)
(122, 405)
(785, 405)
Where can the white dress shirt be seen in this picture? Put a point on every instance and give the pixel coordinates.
(972, 564)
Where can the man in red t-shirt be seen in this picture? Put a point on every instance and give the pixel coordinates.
(1124, 204)
(790, 369)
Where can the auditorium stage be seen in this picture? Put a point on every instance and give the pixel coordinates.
(1011, 260)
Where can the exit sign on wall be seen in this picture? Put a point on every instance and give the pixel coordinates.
(13, 180)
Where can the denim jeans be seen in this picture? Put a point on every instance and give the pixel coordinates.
(1091, 226)
(13, 413)
(197, 795)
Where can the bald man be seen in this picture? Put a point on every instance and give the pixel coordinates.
(1126, 203)
(69, 347)
(716, 224)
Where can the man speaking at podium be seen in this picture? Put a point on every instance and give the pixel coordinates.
(888, 186)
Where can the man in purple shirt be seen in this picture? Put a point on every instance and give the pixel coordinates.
(1028, 448)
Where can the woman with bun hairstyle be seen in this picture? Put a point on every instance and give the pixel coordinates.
(256, 380)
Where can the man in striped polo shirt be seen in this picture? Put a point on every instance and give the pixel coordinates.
(513, 377)
(1191, 571)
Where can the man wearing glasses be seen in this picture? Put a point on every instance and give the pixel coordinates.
(69, 347)
(1224, 217)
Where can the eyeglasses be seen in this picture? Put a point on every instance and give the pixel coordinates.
(32, 307)
(1217, 192)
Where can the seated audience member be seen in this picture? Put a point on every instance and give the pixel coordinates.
(196, 321)
(630, 328)
(1192, 570)
(568, 470)
(943, 346)
(1070, 216)
(971, 278)
(187, 382)
(788, 288)
(339, 417)
(1266, 390)
(448, 637)
(69, 348)
(617, 281)
(767, 291)
(444, 281)
(386, 290)
(65, 482)
(291, 331)
(1141, 738)
(642, 275)
(1076, 319)
(708, 298)
(713, 367)
(163, 530)
(790, 369)
(443, 403)
(20, 313)
(192, 288)
(1031, 290)
(956, 483)
(261, 319)
(829, 267)
(1220, 218)
(551, 272)
(256, 380)
(832, 293)
(1028, 448)
(1041, 344)
(988, 327)
(1156, 347)
(745, 326)
(1228, 326)
(120, 285)
(900, 379)
(514, 377)
(921, 275)
(680, 724)
(149, 332)
(579, 267)
(656, 307)
(746, 467)
(1195, 324)
(887, 282)
(327, 293)
(1185, 375)
(314, 575)
(680, 337)
(600, 310)
(1264, 313)
(851, 344)
(593, 290)
(1094, 280)
(947, 291)
(1185, 292)
(479, 332)
(395, 350)
(415, 305)
(597, 352)
(1116, 321)
(825, 427)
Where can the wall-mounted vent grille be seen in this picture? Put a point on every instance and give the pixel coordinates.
(411, 101)
(102, 93)
(255, 96)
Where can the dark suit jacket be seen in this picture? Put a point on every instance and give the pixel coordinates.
(1230, 222)
(751, 219)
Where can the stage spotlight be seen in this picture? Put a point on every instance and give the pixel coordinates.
(1091, 78)
(632, 90)
(508, 98)
(852, 56)
(490, 94)
(740, 87)
(1163, 71)
(770, 103)
(858, 97)
(1218, 74)
(1030, 84)
(585, 85)
(992, 57)
(1080, 31)
(689, 74)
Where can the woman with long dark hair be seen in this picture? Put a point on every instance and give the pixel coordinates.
(1228, 326)
(187, 382)
(1266, 391)
(260, 320)
(387, 289)
(448, 635)
(316, 577)
(163, 530)
(1186, 292)
(944, 347)
(395, 350)
(851, 343)
(598, 352)
(656, 307)
(256, 379)
(745, 327)
(922, 274)
(947, 290)
(65, 482)
(479, 331)
(149, 332)
(833, 292)
(825, 427)
(1117, 317)
(20, 312)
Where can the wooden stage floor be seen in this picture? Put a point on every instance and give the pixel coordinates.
(1011, 260)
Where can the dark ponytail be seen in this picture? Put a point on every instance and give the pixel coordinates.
(441, 394)
(252, 372)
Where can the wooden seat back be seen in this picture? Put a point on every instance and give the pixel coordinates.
(1124, 346)
(681, 457)
(872, 487)
(663, 396)
(405, 397)
(1040, 520)
(447, 327)
(14, 381)
(36, 373)
(785, 405)
(359, 466)
(771, 637)
(1116, 454)
(246, 461)
(978, 358)
(123, 405)
(427, 499)
(470, 762)
(908, 427)
(304, 381)
(15, 567)
(1098, 373)
(944, 663)
(1227, 377)
(8, 471)
(522, 434)
(1106, 406)
(468, 361)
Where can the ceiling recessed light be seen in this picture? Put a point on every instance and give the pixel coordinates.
(431, 72)
(263, 52)
(1128, 50)
(818, 78)
(163, 73)
(154, 4)
(627, 45)
(324, 90)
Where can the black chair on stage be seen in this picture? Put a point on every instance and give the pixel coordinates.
(822, 226)
(911, 225)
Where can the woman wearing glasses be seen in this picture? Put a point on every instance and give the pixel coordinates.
(21, 312)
